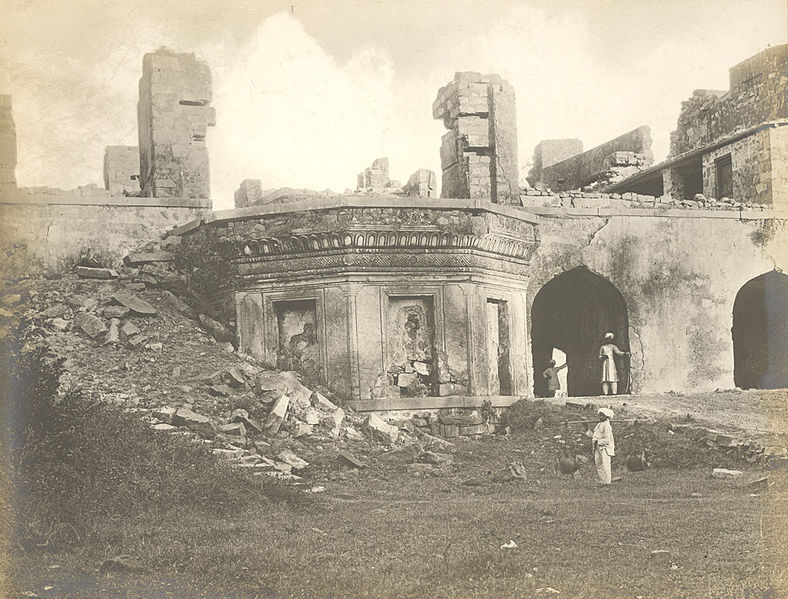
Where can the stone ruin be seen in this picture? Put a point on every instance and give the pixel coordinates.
(174, 114)
(479, 151)
(7, 144)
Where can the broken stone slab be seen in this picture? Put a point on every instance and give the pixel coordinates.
(240, 415)
(115, 311)
(220, 390)
(164, 427)
(302, 429)
(217, 330)
(436, 440)
(234, 378)
(422, 368)
(56, 311)
(406, 454)
(727, 474)
(134, 303)
(180, 305)
(335, 421)
(165, 414)
(194, 422)
(446, 389)
(60, 324)
(214, 379)
(322, 401)
(113, 334)
(276, 416)
(236, 430)
(406, 379)
(436, 458)
(353, 435)
(90, 324)
(137, 340)
(138, 258)
(288, 457)
(88, 272)
(312, 417)
(130, 329)
(356, 463)
(286, 383)
(376, 428)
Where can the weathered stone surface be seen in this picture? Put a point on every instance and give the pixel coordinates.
(302, 429)
(236, 430)
(234, 377)
(179, 304)
(115, 312)
(130, 329)
(422, 184)
(217, 330)
(725, 473)
(56, 311)
(465, 419)
(174, 114)
(250, 193)
(193, 421)
(90, 324)
(113, 334)
(164, 427)
(60, 324)
(134, 303)
(165, 414)
(87, 272)
(122, 170)
(137, 340)
(276, 416)
(220, 390)
(288, 457)
(312, 417)
(353, 461)
(138, 258)
(408, 453)
(379, 430)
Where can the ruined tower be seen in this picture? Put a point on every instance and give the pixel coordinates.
(174, 113)
(7, 144)
(479, 152)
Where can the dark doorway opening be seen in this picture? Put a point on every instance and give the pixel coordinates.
(760, 333)
(572, 312)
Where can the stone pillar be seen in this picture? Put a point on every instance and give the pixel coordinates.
(174, 114)
(7, 144)
(250, 193)
(122, 170)
(422, 184)
(479, 152)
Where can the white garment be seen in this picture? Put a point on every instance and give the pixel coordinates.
(609, 371)
(604, 447)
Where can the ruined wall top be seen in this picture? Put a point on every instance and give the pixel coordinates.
(479, 152)
(759, 88)
(174, 114)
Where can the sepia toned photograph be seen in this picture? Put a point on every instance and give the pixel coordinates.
(394, 299)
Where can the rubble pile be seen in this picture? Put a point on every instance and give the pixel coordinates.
(542, 197)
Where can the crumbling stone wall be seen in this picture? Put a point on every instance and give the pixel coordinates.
(376, 177)
(611, 161)
(551, 151)
(7, 144)
(757, 94)
(174, 113)
(678, 274)
(122, 170)
(250, 193)
(422, 184)
(479, 152)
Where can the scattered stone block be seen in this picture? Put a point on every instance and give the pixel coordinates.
(60, 324)
(726, 474)
(130, 329)
(137, 258)
(461, 419)
(406, 454)
(276, 416)
(220, 390)
(447, 389)
(322, 401)
(436, 458)
(217, 330)
(165, 414)
(113, 334)
(137, 340)
(115, 312)
(352, 434)
(195, 422)
(235, 430)
(355, 463)
(406, 379)
(288, 457)
(90, 324)
(312, 417)
(380, 430)
(87, 272)
(234, 378)
(134, 303)
(302, 429)
(56, 311)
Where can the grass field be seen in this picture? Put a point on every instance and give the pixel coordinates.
(395, 530)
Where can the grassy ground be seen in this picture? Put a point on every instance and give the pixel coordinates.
(396, 531)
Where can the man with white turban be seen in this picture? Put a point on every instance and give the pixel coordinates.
(607, 354)
(604, 446)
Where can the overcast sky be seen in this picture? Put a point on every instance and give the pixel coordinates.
(308, 93)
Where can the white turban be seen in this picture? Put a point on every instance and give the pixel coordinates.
(609, 335)
(606, 412)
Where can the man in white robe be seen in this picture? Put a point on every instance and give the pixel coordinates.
(604, 446)
(607, 354)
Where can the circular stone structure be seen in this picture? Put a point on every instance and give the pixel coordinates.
(382, 299)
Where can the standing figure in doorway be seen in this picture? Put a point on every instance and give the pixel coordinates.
(553, 383)
(607, 354)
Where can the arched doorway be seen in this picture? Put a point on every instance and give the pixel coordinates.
(572, 312)
(760, 333)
